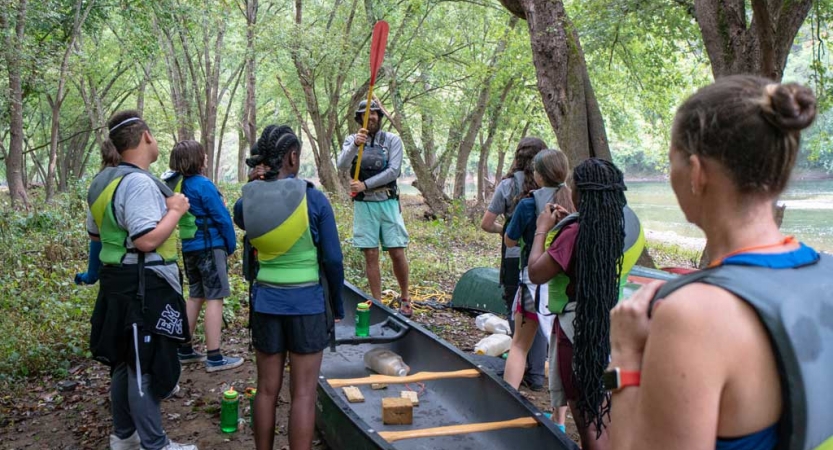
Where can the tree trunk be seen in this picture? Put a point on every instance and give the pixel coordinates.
(473, 127)
(759, 47)
(250, 107)
(425, 182)
(13, 52)
(485, 147)
(563, 81)
(324, 123)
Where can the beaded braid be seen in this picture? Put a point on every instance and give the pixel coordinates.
(599, 254)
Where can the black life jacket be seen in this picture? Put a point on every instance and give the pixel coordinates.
(796, 307)
(375, 159)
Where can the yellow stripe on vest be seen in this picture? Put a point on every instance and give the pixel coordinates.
(281, 239)
(826, 445)
(101, 203)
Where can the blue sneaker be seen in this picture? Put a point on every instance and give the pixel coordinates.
(228, 362)
(190, 358)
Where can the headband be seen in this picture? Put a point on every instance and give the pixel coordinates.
(126, 121)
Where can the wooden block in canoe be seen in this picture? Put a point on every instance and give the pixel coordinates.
(353, 394)
(397, 411)
(378, 386)
(417, 377)
(412, 396)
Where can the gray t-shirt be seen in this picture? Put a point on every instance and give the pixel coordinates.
(393, 146)
(146, 208)
(503, 203)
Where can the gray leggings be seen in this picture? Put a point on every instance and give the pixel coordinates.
(134, 412)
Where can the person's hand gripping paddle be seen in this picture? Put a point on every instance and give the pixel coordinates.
(377, 54)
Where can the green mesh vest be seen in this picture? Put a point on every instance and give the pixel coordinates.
(277, 224)
(188, 223)
(113, 237)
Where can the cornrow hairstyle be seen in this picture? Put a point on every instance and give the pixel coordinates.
(554, 167)
(598, 265)
(188, 157)
(274, 144)
(750, 125)
(125, 130)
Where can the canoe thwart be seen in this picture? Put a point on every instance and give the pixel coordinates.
(419, 376)
(523, 422)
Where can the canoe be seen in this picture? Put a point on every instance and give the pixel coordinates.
(462, 405)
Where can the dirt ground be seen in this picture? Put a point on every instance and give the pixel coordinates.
(73, 413)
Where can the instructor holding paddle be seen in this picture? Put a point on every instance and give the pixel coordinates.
(374, 158)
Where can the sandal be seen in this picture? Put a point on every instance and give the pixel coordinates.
(405, 308)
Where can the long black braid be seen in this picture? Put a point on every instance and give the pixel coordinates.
(273, 145)
(599, 253)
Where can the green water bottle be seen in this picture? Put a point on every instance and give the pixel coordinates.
(229, 411)
(363, 319)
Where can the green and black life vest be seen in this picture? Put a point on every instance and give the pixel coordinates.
(796, 307)
(634, 244)
(113, 237)
(375, 158)
(188, 223)
(277, 224)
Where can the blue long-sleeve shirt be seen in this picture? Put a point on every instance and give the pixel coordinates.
(308, 299)
(522, 226)
(207, 202)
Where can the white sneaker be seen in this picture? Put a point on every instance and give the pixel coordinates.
(131, 443)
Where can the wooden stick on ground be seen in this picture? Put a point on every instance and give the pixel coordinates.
(523, 422)
(420, 376)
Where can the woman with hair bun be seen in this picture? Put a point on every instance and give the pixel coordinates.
(739, 355)
(300, 262)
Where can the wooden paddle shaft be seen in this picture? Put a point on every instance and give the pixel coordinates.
(523, 422)
(420, 376)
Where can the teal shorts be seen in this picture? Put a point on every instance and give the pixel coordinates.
(377, 223)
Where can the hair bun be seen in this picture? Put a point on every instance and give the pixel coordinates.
(792, 107)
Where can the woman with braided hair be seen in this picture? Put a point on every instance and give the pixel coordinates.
(300, 261)
(590, 250)
(738, 355)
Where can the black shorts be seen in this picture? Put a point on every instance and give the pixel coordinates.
(297, 334)
(207, 273)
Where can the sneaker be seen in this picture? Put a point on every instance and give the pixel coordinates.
(190, 358)
(228, 362)
(532, 385)
(175, 446)
(131, 443)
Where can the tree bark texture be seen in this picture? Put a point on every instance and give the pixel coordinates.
(759, 46)
(13, 50)
(56, 103)
(476, 117)
(250, 106)
(563, 82)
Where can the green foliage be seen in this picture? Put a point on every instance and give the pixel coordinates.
(45, 320)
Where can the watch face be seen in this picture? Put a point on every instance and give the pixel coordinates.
(610, 379)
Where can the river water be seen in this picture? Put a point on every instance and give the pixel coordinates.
(809, 214)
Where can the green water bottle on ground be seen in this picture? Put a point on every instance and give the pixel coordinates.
(363, 319)
(229, 411)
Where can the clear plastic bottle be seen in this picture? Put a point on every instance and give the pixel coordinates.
(385, 362)
(491, 323)
(494, 345)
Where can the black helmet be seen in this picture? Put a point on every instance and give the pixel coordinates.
(373, 107)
